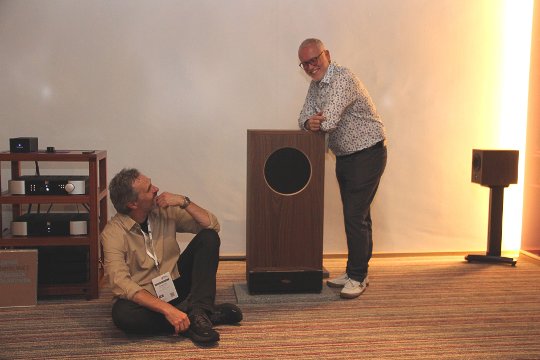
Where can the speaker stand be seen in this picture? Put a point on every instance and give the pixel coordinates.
(493, 254)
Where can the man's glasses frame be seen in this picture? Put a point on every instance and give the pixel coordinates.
(313, 61)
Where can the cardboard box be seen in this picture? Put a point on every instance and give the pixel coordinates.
(18, 277)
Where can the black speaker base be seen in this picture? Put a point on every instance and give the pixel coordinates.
(491, 259)
(325, 273)
(284, 281)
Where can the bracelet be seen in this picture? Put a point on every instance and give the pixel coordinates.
(186, 203)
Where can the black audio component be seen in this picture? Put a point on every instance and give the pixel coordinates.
(63, 264)
(48, 185)
(285, 281)
(52, 224)
(23, 144)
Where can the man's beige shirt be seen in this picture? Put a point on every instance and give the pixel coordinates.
(126, 261)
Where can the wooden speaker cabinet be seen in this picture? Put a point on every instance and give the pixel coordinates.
(285, 208)
(495, 167)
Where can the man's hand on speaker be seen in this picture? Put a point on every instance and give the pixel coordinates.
(314, 122)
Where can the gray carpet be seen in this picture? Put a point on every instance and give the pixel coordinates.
(243, 296)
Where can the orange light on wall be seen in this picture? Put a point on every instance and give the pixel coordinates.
(516, 47)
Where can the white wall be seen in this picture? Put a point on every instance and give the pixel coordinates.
(171, 87)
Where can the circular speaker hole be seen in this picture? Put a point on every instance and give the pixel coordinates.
(287, 171)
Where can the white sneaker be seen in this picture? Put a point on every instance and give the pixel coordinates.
(353, 289)
(338, 282)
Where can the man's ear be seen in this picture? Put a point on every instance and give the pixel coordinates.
(132, 205)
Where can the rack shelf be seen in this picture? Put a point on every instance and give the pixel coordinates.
(96, 199)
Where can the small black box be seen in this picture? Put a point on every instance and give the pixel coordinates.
(284, 281)
(495, 167)
(63, 265)
(23, 144)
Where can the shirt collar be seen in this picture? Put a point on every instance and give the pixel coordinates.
(129, 223)
(329, 73)
(126, 221)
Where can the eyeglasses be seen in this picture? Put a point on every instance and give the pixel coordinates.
(313, 61)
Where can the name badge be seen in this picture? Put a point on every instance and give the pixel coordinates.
(164, 287)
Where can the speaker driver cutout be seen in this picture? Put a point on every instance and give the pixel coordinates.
(287, 171)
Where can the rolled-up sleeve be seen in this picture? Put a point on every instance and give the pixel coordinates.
(186, 223)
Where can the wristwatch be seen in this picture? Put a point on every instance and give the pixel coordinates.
(186, 203)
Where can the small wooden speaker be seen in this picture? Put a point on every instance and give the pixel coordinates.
(495, 167)
(285, 207)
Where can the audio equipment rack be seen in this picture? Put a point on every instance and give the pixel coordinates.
(96, 200)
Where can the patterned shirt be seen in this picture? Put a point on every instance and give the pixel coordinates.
(352, 120)
(127, 263)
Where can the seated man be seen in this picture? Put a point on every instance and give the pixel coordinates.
(158, 288)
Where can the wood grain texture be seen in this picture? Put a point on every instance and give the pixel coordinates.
(284, 231)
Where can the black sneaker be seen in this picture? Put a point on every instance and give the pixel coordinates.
(200, 328)
(226, 314)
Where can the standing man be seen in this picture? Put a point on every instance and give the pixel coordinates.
(156, 287)
(338, 104)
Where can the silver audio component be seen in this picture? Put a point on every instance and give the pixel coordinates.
(48, 185)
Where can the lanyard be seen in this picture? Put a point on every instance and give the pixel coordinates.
(149, 245)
